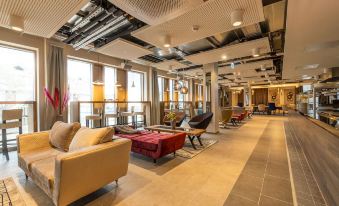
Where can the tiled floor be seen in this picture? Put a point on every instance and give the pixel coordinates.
(265, 179)
(206, 179)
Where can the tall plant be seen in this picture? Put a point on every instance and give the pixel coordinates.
(54, 100)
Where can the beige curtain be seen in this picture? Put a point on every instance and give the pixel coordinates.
(260, 96)
(155, 110)
(56, 78)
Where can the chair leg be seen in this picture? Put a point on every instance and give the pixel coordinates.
(154, 161)
(116, 182)
(26, 176)
(4, 144)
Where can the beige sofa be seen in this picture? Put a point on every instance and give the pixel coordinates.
(68, 176)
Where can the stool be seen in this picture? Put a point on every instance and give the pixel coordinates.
(142, 113)
(10, 119)
(93, 118)
(124, 116)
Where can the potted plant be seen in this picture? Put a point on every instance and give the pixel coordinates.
(59, 105)
(171, 116)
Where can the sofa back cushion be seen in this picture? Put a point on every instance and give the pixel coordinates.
(86, 137)
(62, 134)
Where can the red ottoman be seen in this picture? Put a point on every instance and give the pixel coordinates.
(155, 145)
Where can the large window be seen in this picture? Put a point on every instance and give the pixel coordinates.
(135, 89)
(110, 79)
(17, 83)
(79, 75)
(17, 72)
(110, 92)
(171, 89)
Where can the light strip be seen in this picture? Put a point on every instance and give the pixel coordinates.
(94, 35)
(87, 19)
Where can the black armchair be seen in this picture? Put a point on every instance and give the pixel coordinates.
(201, 121)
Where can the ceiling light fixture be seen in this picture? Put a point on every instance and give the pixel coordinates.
(98, 83)
(263, 67)
(16, 23)
(133, 85)
(232, 65)
(195, 28)
(224, 57)
(117, 84)
(237, 17)
(167, 41)
(255, 52)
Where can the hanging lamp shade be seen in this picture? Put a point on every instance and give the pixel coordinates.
(184, 90)
(16, 23)
(237, 17)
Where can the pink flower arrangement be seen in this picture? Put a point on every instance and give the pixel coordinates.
(55, 101)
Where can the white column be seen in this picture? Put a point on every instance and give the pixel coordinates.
(213, 127)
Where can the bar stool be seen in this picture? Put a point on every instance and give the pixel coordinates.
(113, 115)
(141, 113)
(93, 118)
(124, 116)
(10, 119)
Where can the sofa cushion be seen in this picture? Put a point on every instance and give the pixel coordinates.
(43, 174)
(86, 137)
(62, 134)
(25, 160)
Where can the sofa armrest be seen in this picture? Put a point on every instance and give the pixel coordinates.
(33, 141)
(81, 172)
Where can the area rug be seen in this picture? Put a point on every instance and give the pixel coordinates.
(9, 193)
(189, 152)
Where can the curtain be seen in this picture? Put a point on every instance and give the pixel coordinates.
(56, 78)
(260, 96)
(155, 110)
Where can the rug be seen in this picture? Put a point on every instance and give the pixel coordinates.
(10, 195)
(188, 152)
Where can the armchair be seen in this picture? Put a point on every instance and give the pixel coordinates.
(201, 121)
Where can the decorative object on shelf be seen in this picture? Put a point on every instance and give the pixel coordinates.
(172, 117)
(55, 101)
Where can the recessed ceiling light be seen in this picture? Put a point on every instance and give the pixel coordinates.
(255, 52)
(223, 57)
(167, 41)
(237, 17)
(16, 23)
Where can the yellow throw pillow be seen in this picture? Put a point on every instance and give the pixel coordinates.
(62, 134)
(86, 137)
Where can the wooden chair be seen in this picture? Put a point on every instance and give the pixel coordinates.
(10, 119)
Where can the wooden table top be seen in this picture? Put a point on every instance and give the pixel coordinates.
(187, 130)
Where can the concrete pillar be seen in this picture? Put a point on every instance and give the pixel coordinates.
(204, 90)
(213, 127)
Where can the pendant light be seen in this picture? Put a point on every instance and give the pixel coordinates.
(255, 52)
(237, 17)
(167, 41)
(16, 23)
(133, 85)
